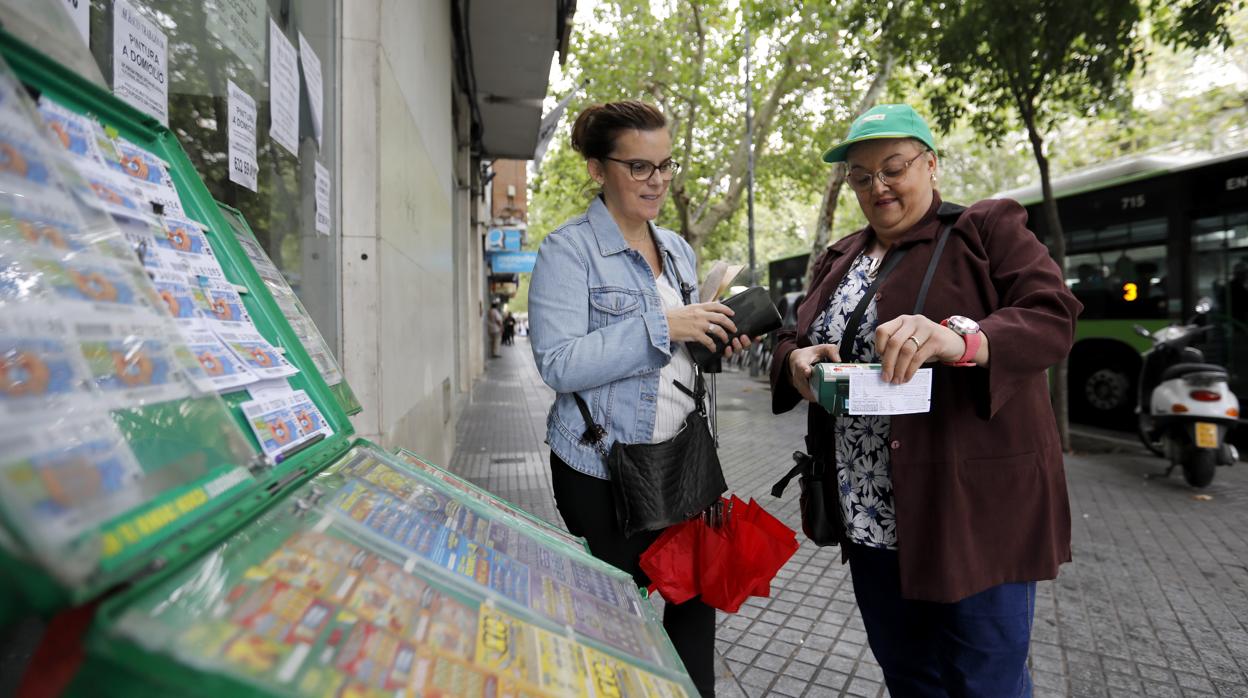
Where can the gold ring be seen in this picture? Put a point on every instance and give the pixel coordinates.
(916, 342)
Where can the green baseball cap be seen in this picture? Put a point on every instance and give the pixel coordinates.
(883, 121)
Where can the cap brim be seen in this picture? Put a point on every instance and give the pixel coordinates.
(837, 152)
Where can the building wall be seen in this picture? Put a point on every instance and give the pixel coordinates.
(513, 173)
(405, 299)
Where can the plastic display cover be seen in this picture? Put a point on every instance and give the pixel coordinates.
(370, 580)
(293, 310)
(484, 496)
(106, 444)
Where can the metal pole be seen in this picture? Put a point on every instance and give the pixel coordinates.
(749, 144)
(754, 367)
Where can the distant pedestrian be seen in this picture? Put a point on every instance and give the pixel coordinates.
(608, 323)
(948, 517)
(494, 326)
(509, 329)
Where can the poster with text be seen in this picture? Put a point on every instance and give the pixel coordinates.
(242, 136)
(140, 62)
(239, 26)
(283, 90)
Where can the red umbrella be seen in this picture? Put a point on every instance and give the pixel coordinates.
(725, 563)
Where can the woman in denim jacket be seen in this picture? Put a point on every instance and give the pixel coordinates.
(608, 323)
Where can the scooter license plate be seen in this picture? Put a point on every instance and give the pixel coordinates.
(1206, 435)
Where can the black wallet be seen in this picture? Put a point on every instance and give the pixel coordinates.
(754, 315)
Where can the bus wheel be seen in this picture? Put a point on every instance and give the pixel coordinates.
(1102, 395)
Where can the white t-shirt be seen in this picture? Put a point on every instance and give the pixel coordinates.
(673, 406)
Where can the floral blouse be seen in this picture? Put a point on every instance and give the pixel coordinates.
(863, 468)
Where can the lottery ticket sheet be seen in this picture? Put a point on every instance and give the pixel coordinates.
(105, 443)
(283, 422)
(308, 602)
(470, 490)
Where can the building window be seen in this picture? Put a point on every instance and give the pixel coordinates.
(211, 42)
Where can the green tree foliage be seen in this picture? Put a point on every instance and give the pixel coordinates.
(687, 57)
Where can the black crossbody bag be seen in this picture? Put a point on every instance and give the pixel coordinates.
(658, 485)
(821, 510)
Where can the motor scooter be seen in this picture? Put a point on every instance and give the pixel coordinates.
(1186, 409)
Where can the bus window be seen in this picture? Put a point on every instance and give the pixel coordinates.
(1119, 284)
(1220, 245)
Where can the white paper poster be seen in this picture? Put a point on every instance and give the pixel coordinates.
(80, 12)
(283, 90)
(322, 199)
(312, 78)
(239, 26)
(242, 137)
(140, 65)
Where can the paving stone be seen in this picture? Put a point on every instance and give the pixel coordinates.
(757, 677)
(810, 656)
(1048, 680)
(740, 653)
(789, 686)
(863, 687)
(799, 670)
(1161, 690)
(770, 662)
(780, 648)
(832, 679)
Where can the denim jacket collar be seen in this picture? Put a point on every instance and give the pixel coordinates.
(611, 241)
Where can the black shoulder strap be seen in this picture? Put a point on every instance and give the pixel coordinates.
(948, 213)
(855, 318)
(931, 269)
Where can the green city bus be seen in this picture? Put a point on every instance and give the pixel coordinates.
(1145, 238)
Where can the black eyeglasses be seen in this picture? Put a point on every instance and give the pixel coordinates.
(641, 170)
(892, 172)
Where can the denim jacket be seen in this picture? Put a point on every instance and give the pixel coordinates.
(597, 327)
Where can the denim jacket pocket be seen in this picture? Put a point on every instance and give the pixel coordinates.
(610, 304)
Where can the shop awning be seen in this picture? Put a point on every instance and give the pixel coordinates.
(504, 61)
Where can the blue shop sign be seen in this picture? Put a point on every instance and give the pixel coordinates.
(512, 262)
(513, 239)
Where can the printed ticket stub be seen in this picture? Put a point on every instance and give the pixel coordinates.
(260, 357)
(216, 367)
(81, 135)
(869, 394)
(280, 423)
(43, 220)
(220, 302)
(41, 371)
(131, 362)
(61, 483)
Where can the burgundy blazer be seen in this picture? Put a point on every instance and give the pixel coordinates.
(978, 483)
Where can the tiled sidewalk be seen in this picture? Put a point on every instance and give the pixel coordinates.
(1155, 604)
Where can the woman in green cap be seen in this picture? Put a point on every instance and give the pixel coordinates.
(948, 518)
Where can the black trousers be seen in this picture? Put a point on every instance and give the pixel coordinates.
(588, 509)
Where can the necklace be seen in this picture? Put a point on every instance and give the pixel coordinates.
(875, 265)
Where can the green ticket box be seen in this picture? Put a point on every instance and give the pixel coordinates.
(176, 439)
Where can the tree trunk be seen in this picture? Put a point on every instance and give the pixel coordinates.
(832, 193)
(1057, 248)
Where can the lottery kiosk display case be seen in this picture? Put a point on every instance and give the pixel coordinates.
(176, 445)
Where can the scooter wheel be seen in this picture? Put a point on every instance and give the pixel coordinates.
(1198, 466)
